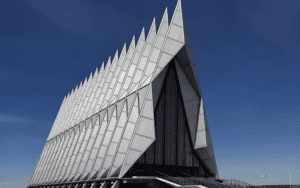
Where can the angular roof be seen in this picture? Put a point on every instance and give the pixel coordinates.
(126, 73)
(121, 97)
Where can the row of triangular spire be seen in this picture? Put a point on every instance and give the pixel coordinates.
(132, 44)
(124, 52)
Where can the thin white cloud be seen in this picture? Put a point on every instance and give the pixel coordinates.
(24, 120)
(11, 119)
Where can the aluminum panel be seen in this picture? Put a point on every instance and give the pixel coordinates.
(129, 130)
(176, 33)
(134, 114)
(130, 100)
(142, 95)
(141, 143)
(146, 127)
(172, 47)
(155, 54)
(159, 41)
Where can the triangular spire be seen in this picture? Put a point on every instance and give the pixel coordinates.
(152, 32)
(178, 6)
(164, 24)
(177, 15)
(80, 85)
(84, 81)
(123, 50)
(102, 66)
(153, 26)
(165, 16)
(108, 61)
(91, 76)
(116, 56)
(76, 88)
(132, 44)
(96, 71)
(142, 35)
(68, 95)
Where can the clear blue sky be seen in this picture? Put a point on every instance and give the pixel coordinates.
(247, 56)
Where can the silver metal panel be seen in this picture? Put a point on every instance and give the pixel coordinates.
(176, 33)
(146, 127)
(172, 47)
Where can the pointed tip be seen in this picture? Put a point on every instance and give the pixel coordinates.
(178, 6)
(165, 16)
(109, 60)
(102, 66)
(96, 71)
(177, 17)
(132, 44)
(124, 49)
(116, 56)
(142, 36)
(153, 26)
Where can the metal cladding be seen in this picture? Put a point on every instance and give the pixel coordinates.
(111, 119)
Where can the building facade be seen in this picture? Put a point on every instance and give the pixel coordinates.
(141, 115)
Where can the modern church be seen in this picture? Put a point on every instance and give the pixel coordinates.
(139, 121)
